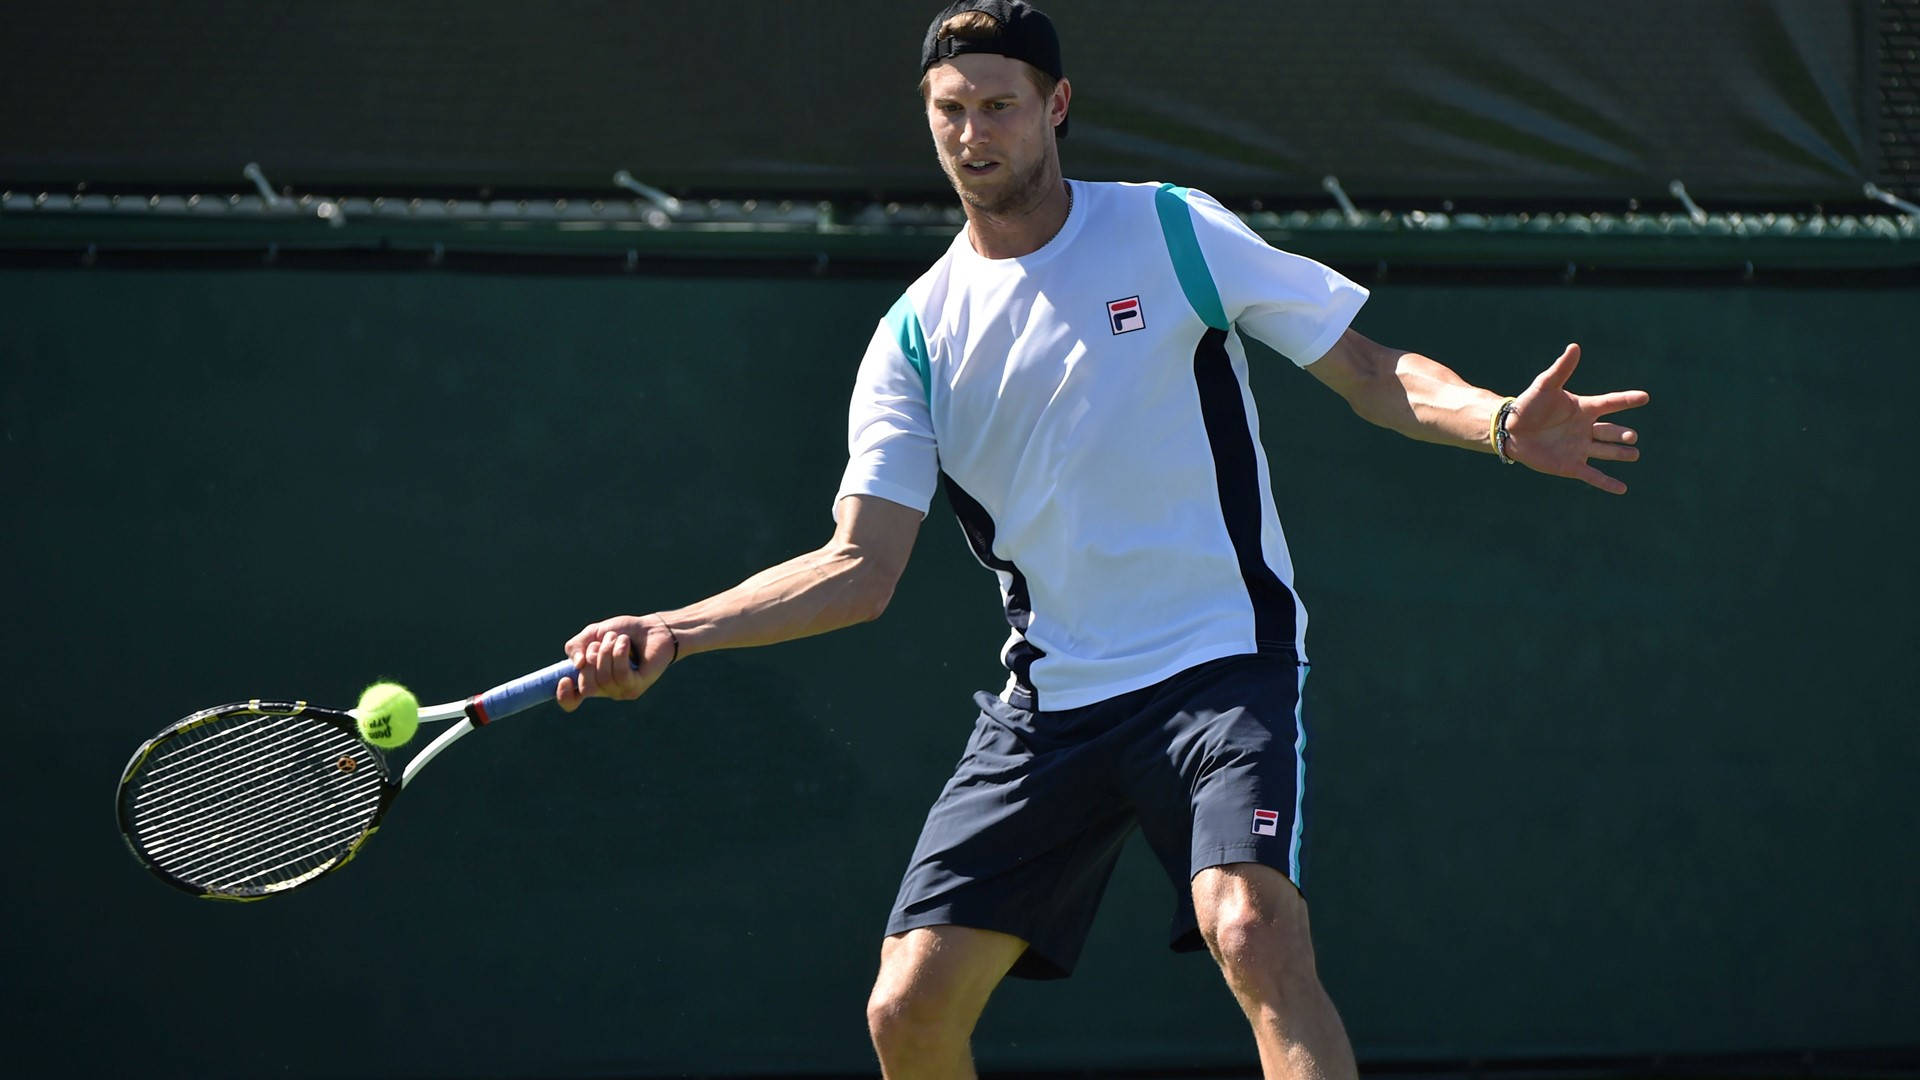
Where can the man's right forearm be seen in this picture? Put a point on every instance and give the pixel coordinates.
(835, 586)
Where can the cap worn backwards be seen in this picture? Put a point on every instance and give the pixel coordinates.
(1023, 32)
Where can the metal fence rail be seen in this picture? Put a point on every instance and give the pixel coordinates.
(643, 228)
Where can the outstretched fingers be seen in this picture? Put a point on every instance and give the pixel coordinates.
(1558, 372)
(1561, 433)
(1598, 479)
(1617, 401)
(1615, 442)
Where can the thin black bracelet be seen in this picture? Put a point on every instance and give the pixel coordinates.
(664, 625)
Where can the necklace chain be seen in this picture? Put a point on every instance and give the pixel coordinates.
(1069, 214)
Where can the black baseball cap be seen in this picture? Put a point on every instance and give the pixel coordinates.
(1025, 33)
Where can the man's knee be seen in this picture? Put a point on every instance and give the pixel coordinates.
(901, 1021)
(1255, 923)
(906, 1010)
(932, 985)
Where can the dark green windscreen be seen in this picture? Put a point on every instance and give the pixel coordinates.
(1777, 101)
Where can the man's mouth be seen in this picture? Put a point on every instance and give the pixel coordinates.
(979, 168)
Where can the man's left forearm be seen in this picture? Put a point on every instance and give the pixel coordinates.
(1445, 408)
(1406, 392)
(1550, 429)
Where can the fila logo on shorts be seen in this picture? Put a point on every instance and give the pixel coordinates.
(1266, 822)
(1124, 315)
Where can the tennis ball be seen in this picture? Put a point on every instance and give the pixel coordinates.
(388, 715)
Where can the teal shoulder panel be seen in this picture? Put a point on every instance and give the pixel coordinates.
(904, 322)
(1189, 262)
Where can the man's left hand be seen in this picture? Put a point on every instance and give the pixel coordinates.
(1558, 433)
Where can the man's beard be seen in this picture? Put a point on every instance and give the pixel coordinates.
(1026, 191)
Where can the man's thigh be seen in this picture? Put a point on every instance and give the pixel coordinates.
(1219, 776)
(943, 971)
(1024, 837)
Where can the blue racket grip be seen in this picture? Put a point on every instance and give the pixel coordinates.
(521, 694)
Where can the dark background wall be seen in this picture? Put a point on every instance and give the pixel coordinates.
(1589, 775)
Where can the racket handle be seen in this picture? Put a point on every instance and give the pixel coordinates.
(521, 694)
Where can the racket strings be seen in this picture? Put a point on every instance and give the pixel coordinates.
(297, 829)
(199, 781)
(193, 787)
(251, 803)
(297, 856)
(268, 824)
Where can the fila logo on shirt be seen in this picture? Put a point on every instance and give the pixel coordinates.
(1124, 315)
(1266, 823)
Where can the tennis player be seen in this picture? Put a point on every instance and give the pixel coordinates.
(1071, 372)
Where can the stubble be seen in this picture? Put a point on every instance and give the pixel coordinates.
(1026, 192)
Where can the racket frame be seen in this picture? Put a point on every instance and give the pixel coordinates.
(334, 718)
(474, 712)
(463, 710)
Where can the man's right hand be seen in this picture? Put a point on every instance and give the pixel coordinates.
(617, 658)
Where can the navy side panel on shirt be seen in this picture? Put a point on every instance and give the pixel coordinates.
(1238, 470)
(977, 524)
(1228, 433)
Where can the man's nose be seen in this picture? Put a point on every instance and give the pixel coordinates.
(972, 130)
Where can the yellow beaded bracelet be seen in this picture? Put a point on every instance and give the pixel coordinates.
(1497, 432)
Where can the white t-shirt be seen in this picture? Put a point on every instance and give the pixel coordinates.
(1097, 436)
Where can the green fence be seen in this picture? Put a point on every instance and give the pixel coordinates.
(1589, 776)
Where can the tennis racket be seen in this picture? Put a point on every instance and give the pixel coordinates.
(252, 799)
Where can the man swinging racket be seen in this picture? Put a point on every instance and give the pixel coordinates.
(1071, 373)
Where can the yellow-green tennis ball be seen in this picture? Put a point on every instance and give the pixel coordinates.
(388, 715)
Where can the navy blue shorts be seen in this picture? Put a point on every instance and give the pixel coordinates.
(1209, 764)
